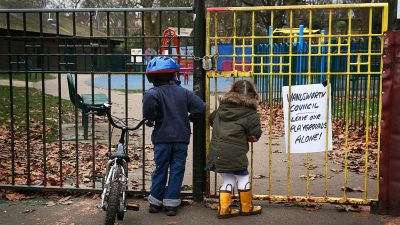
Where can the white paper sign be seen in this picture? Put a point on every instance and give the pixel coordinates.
(137, 53)
(398, 9)
(307, 118)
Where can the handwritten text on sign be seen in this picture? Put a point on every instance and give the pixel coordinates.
(308, 121)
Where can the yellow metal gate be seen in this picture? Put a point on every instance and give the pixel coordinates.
(338, 45)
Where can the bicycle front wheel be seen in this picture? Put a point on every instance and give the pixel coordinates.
(113, 201)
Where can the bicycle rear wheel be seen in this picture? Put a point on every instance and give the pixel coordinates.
(113, 200)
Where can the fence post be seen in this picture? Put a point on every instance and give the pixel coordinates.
(199, 131)
(389, 180)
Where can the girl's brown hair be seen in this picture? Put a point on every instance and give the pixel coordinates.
(245, 87)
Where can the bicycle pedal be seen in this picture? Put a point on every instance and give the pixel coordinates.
(132, 206)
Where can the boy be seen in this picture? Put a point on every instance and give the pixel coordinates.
(168, 105)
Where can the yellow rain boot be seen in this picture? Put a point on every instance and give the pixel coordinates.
(246, 206)
(225, 208)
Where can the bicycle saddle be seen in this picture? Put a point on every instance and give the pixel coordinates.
(120, 155)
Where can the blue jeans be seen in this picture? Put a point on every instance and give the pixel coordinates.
(170, 156)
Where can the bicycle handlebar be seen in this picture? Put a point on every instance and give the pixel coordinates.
(106, 109)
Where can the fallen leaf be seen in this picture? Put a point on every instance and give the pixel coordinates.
(96, 197)
(187, 202)
(212, 205)
(312, 207)
(312, 176)
(259, 176)
(186, 187)
(65, 202)
(64, 199)
(50, 204)
(289, 204)
(337, 170)
(29, 211)
(311, 166)
(341, 208)
(15, 196)
(351, 189)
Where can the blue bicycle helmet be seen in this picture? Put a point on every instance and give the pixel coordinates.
(162, 65)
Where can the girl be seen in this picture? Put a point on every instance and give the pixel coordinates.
(235, 123)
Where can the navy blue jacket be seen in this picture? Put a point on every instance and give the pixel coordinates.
(169, 106)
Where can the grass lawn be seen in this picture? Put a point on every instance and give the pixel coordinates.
(357, 110)
(129, 91)
(35, 109)
(33, 77)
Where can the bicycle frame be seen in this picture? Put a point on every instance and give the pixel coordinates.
(117, 164)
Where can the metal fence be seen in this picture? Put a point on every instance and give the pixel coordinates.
(43, 144)
(318, 63)
(349, 62)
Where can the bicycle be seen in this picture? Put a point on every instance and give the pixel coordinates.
(115, 181)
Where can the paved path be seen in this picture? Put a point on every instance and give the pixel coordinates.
(83, 211)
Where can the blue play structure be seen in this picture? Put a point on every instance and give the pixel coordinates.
(300, 66)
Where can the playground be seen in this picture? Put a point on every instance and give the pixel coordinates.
(57, 63)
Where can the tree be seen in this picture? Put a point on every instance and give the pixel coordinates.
(64, 4)
(24, 4)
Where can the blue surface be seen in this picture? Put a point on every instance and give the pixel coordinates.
(135, 83)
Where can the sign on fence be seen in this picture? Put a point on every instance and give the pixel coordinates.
(307, 118)
(398, 9)
(138, 54)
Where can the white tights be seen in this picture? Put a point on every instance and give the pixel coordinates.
(229, 181)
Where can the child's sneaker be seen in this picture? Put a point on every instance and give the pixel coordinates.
(170, 210)
(155, 208)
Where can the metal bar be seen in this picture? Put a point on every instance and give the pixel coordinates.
(144, 126)
(328, 113)
(200, 88)
(92, 68)
(234, 44)
(281, 198)
(289, 99)
(59, 103)
(76, 108)
(309, 82)
(28, 146)
(270, 41)
(215, 79)
(247, 74)
(305, 36)
(109, 50)
(179, 39)
(346, 146)
(367, 114)
(94, 10)
(215, 108)
(384, 29)
(299, 7)
(51, 36)
(43, 107)
(160, 34)
(69, 189)
(126, 75)
(355, 88)
(11, 101)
